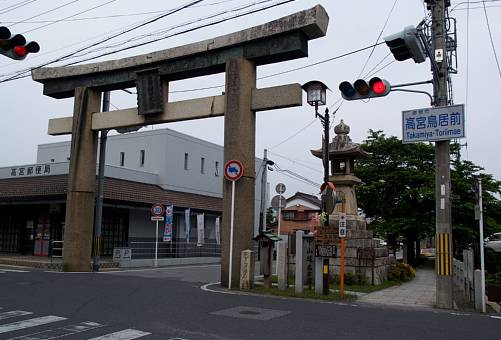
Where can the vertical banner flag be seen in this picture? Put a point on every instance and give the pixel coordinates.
(168, 223)
(218, 231)
(187, 224)
(200, 230)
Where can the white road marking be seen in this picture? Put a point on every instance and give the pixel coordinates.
(495, 317)
(126, 334)
(163, 268)
(14, 270)
(10, 327)
(60, 332)
(13, 314)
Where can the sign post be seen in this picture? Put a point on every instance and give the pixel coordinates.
(280, 189)
(157, 214)
(233, 171)
(342, 236)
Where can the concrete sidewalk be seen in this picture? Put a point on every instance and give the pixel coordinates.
(419, 292)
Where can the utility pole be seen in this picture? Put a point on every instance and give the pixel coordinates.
(444, 293)
(262, 222)
(100, 189)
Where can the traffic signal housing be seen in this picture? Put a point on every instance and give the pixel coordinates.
(15, 46)
(360, 89)
(407, 44)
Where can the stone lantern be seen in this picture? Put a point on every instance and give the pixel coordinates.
(363, 254)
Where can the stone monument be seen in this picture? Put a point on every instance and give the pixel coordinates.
(363, 255)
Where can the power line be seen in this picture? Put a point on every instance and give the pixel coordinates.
(294, 134)
(322, 61)
(16, 6)
(490, 36)
(379, 36)
(23, 73)
(159, 32)
(71, 16)
(106, 16)
(172, 11)
(295, 161)
(43, 13)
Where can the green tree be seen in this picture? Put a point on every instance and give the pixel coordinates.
(398, 192)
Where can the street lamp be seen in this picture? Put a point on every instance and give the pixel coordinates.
(316, 96)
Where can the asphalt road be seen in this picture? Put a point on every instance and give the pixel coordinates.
(168, 303)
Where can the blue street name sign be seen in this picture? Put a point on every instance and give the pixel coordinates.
(433, 124)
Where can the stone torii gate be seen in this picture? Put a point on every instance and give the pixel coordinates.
(237, 54)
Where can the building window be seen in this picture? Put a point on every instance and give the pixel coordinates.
(202, 165)
(122, 158)
(185, 161)
(141, 157)
(217, 169)
(288, 215)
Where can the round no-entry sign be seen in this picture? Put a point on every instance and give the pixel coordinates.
(233, 170)
(157, 209)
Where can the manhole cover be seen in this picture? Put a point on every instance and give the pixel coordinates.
(249, 312)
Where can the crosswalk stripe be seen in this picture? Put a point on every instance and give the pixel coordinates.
(1, 272)
(60, 332)
(14, 326)
(13, 314)
(126, 334)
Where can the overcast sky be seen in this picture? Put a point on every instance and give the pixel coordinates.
(353, 24)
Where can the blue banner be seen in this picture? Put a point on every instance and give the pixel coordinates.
(187, 224)
(169, 214)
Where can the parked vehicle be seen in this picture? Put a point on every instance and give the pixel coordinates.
(493, 243)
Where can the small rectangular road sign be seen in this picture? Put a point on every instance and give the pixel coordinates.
(433, 124)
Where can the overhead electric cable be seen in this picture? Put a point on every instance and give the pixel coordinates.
(22, 74)
(492, 42)
(16, 6)
(71, 16)
(294, 134)
(379, 36)
(175, 10)
(43, 13)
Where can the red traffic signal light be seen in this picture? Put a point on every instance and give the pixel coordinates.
(360, 89)
(15, 46)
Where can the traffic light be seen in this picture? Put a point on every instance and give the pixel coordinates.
(360, 89)
(407, 44)
(15, 46)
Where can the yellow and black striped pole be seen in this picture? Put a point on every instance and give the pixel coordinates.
(443, 263)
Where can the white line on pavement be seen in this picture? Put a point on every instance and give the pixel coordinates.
(495, 317)
(29, 323)
(14, 270)
(60, 332)
(126, 334)
(13, 314)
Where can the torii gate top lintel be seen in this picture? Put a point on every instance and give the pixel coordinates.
(279, 40)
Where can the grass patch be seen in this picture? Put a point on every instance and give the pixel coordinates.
(307, 294)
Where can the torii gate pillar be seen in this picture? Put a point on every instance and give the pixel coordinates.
(240, 81)
(81, 182)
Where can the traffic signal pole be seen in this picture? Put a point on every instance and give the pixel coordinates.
(444, 290)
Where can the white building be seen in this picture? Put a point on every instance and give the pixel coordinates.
(141, 168)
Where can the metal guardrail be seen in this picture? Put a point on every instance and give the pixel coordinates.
(146, 249)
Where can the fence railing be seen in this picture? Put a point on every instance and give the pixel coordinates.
(146, 249)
